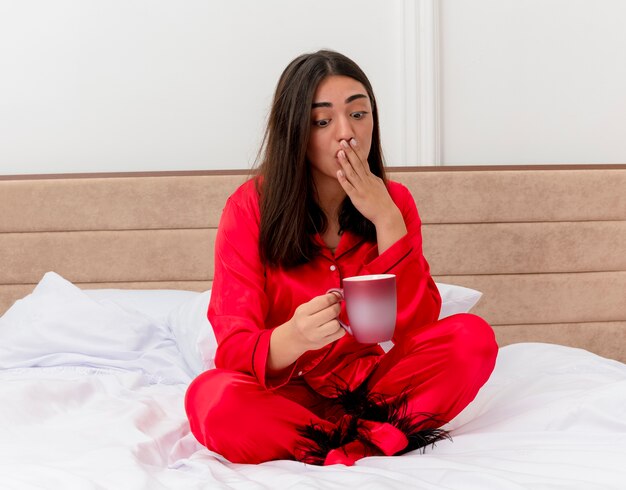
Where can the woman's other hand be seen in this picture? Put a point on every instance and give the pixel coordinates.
(313, 325)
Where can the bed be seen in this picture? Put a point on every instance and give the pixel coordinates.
(105, 279)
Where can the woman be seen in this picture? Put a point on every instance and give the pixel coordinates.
(290, 383)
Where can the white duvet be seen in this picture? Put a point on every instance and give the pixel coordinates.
(549, 417)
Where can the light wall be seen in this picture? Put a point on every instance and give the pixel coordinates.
(120, 85)
(533, 81)
(90, 86)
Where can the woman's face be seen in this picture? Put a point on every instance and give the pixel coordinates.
(341, 110)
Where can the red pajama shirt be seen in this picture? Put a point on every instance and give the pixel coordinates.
(249, 299)
(249, 415)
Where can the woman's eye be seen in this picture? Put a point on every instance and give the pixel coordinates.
(322, 123)
(359, 114)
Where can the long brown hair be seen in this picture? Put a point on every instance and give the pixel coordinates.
(290, 214)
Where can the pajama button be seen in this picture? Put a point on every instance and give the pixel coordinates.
(299, 373)
(333, 268)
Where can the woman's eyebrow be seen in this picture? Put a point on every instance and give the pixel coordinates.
(354, 97)
(348, 100)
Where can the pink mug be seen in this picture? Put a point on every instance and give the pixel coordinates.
(371, 306)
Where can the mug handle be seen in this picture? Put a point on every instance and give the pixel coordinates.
(339, 291)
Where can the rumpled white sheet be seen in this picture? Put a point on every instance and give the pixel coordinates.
(549, 417)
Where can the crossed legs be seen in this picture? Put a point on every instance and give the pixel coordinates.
(432, 374)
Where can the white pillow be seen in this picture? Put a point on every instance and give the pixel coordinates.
(194, 335)
(154, 303)
(456, 299)
(59, 325)
(183, 312)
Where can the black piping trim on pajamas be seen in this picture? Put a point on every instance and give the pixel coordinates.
(399, 260)
(350, 249)
(253, 356)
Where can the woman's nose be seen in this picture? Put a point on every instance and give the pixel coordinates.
(344, 129)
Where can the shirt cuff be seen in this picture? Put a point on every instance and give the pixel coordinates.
(305, 363)
(259, 364)
(389, 259)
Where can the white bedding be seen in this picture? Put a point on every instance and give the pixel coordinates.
(549, 417)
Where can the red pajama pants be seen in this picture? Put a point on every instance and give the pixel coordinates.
(444, 364)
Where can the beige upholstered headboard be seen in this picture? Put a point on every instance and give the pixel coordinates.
(546, 244)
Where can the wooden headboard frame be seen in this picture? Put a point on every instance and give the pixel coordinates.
(545, 244)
